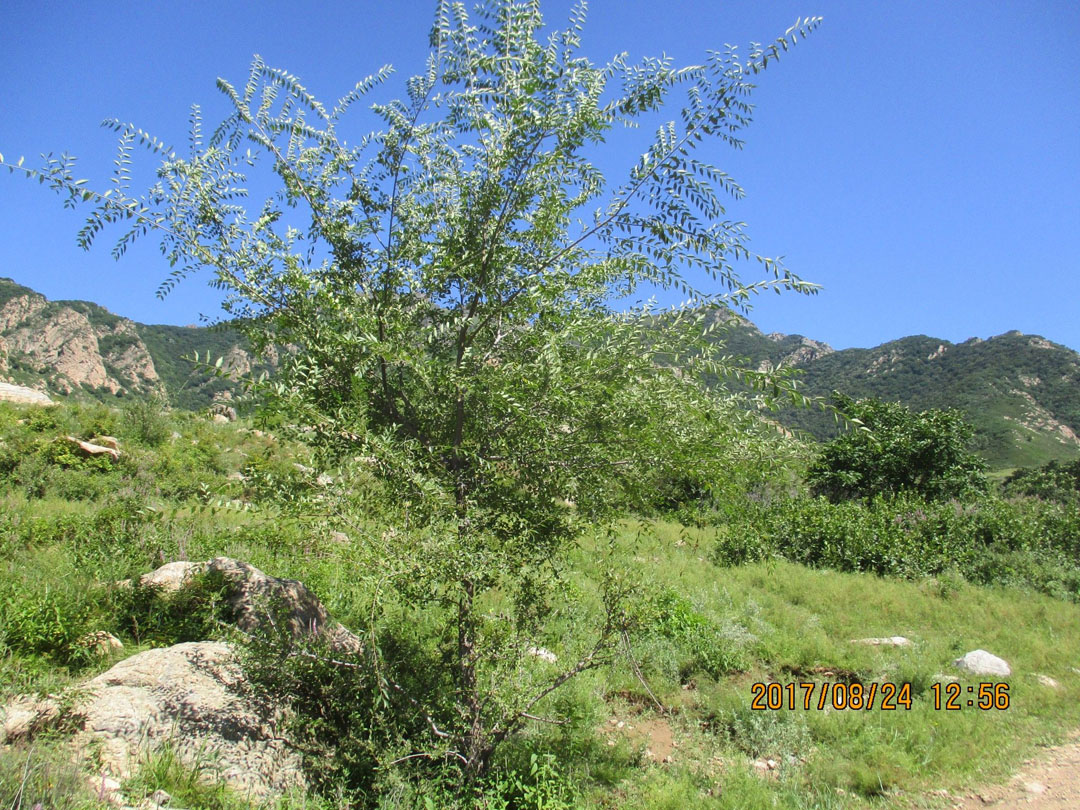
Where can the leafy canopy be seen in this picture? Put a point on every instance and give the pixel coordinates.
(898, 451)
(443, 285)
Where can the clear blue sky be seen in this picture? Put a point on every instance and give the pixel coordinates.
(919, 160)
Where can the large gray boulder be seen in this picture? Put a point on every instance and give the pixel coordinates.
(186, 696)
(253, 593)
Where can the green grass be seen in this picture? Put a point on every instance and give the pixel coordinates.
(705, 635)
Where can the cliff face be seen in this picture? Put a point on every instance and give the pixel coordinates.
(78, 349)
(69, 350)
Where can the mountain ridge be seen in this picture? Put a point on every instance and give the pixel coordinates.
(1020, 391)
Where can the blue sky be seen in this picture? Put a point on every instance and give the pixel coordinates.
(921, 160)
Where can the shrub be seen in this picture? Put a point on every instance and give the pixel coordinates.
(992, 541)
(146, 420)
(895, 450)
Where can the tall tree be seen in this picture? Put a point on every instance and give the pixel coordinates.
(448, 292)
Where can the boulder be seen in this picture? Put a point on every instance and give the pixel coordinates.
(187, 696)
(101, 643)
(252, 592)
(980, 662)
(221, 409)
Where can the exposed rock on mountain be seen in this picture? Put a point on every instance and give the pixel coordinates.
(78, 349)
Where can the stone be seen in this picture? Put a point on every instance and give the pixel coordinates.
(23, 395)
(219, 419)
(159, 798)
(980, 662)
(1047, 681)
(252, 590)
(188, 697)
(101, 643)
(221, 409)
(543, 654)
(25, 716)
(889, 641)
(1034, 787)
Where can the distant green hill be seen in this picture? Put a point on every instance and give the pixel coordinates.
(1019, 391)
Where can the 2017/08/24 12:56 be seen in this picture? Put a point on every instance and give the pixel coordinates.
(865, 697)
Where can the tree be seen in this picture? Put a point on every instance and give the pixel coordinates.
(447, 296)
(894, 450)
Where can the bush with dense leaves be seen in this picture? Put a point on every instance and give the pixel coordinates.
(896, 450)
(1053, 481)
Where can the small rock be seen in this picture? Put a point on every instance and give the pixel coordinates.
(773, 764)
(542, 654)
(890, 641)
(101, 642)
(761, 765)
(1046, 680)
(946, 678)
(340, 538)
(1034, 787)
(236, 476)
(160, 798)
(219, 419)
(980, 662)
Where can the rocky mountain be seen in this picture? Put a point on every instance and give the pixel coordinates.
(1021, 392)
(79, 350)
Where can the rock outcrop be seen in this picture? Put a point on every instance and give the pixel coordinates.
(189, 697)
(23, 395)
(253, 594)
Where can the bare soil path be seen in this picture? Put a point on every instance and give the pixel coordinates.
(1050, 781)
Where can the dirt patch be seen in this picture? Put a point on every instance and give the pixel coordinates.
(652, 732)
(1051, 781)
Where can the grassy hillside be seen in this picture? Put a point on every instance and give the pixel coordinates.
(668, 723)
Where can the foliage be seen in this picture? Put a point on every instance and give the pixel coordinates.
(454, 325)
(897, 451)
(705, 646)
(146, 420)
(1053, 481)
(992, 541)
(197, 612)
(44, 775)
